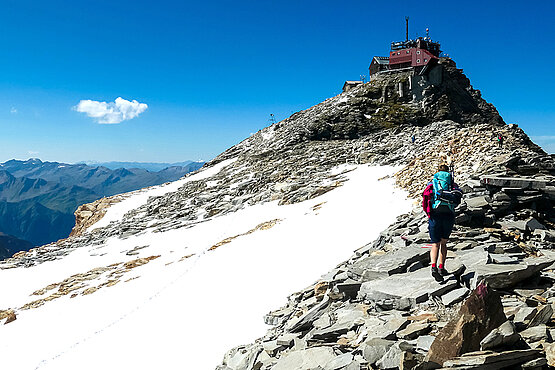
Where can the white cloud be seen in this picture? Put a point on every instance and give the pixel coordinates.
(32, 152)
(119, 110)
(13, 110)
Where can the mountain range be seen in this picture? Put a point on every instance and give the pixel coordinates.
(150, 166)
(37, 199)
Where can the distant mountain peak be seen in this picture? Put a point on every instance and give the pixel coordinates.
(33, 161)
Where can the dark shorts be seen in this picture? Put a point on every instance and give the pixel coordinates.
(440, 226)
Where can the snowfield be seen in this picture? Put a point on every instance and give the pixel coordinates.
(204, 294)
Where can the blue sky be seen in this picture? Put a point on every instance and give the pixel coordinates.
(211, 72)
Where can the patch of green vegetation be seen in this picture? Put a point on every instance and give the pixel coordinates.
(391, 114)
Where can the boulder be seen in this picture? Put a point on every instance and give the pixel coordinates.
(478, 316)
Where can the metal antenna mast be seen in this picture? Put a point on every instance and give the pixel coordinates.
(407, 21)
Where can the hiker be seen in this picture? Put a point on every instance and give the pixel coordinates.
(500, 140)
(439, 201)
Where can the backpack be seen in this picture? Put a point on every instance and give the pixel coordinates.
(428, 199)
(445, 191)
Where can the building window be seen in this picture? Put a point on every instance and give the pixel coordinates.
(418, 52)
(398, 53)
(408, 51)
(425, 60)
(417, 60)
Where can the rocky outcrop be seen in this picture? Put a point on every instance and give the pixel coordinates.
(88, 214)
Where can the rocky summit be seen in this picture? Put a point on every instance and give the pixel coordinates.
(380, 308)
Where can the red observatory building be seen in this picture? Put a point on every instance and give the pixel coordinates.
(414, 53)
(420, 54)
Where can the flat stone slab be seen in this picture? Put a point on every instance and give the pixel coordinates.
(424, 342)
(374, 349)
(502, 259)
(477, 202)
(308, 318)
(414, 330)
(416, 286)
(305, 359)
(514, 182)
(339, 362)
(391, 263)
(534, 334)
(454, 296)
(486, 360)
(503, 335)
(347, 318)
(505, 276)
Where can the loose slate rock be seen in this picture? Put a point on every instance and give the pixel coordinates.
(340, 362)
(306, 359)
(454, 296)
(504, 335)
(392, 358)
(488, 360)
(375, 348)
(414, 330)
(416, 286)
(534, 334)
(394, 262)
(505, 276)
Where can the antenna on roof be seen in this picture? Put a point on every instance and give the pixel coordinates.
(427, 33)
(407, 21)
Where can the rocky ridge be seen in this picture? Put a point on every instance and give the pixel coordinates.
(381, 308)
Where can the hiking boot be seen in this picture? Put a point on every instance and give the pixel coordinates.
(436, 275)
(443, 272)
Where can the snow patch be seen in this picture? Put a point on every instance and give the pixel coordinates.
(185, 309)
